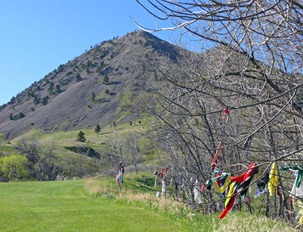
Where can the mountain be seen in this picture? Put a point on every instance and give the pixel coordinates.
(100, 86)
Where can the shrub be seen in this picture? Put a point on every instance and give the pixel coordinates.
(13, 167)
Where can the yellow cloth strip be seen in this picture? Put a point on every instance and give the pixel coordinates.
(230, 192)
(273, 179)
(225, 185)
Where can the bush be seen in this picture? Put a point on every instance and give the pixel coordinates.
(13, 167)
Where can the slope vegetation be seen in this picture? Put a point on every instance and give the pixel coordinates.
(101, 86)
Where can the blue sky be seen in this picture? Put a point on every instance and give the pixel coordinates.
(36, 36)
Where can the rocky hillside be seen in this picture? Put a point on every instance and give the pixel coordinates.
(98, 87)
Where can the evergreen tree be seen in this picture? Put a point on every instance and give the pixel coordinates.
(114, 124)
(36, 99)
(12, 101)
(93, 96)
(97, 129)
(81, 137)
(51, 88)
(106, 80)
(78, 77)
(45, 100)
(57, 89)
(21, 115)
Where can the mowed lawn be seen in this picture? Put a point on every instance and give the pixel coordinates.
(66, 206)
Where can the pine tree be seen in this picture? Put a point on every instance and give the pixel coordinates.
(45, 100)
(97, 129)
(106, 80)
(93, 96)
(57, 89)
(36, 99)
(81, 137)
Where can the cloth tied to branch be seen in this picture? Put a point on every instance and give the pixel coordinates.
(263, 181)
(298, 173)
(197, 195)
(296, 193)
(221, 185)
(239, 186)
(214, 160)
(273, 179)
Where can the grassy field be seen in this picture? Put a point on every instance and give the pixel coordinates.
(97, 205)
(66, 206)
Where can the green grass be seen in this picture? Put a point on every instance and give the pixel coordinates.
(64, 138)
(97, 205)
(99, 142)
(139, 191)
(71, 161)
(67, 206)
(9, 149)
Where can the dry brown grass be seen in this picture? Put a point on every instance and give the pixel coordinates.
(100, 188)
(234, 221)
(162, 204)
(245, 222)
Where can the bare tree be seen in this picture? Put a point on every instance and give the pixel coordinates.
(245, 89)
(116, 149)
(41, 160)
(125, 148)
(132, 150)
